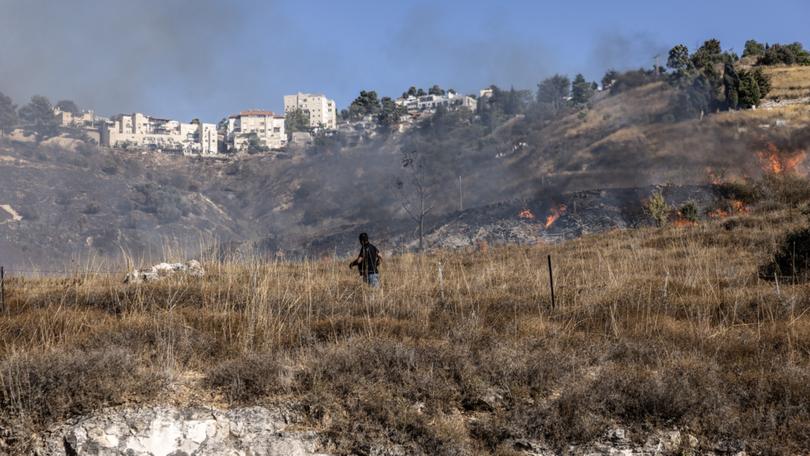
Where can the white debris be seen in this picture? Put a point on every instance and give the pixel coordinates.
(15, 216)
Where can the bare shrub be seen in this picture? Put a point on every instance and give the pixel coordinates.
(792, 257)
(47, 387)
(247, 379)
(657, 208)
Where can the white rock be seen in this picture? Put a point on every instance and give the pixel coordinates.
(191, 268)
(158, 431)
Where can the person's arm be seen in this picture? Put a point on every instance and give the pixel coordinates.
(357, 261)
(379, 257)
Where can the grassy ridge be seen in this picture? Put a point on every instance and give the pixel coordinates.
(654, 329)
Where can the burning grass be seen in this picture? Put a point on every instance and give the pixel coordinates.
(654, 329)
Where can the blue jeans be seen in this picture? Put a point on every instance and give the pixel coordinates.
(373, 280)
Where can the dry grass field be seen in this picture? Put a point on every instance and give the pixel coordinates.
(668, 328)
(789, 81)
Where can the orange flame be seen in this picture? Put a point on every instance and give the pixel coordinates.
(739, 207)
(775, 162)
(556, 212)
(526, 214)
(734, 207)
(681, 222)
(714, 179)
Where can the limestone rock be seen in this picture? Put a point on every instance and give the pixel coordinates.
(158, 431)
(191, 268)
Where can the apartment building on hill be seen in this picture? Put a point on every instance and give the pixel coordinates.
(141, 131)
(322, 111)
(255, 128)
(429, 103)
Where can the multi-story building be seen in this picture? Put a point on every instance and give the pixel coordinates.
(141, 131)
(431, 102)
(68, 119)
(322, 111)
(256, 128)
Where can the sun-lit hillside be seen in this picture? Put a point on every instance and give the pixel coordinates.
(789, 82)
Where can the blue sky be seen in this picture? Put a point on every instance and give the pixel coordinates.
(209, 58)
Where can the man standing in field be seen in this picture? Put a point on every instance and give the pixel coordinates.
(368, 262)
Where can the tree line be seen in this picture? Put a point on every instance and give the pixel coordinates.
(37, 115)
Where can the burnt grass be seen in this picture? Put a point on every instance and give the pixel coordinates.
(655, 329)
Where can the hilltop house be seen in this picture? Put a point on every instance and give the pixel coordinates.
(429, 103)
(321, 110)
(255, 128)
(68, 119)
(141, 131)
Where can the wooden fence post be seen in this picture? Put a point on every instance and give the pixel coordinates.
(551, 282)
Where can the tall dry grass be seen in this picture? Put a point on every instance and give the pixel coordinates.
(656, 328)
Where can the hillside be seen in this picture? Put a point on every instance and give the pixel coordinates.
(75, 203)
(789, 82)
(664, 339)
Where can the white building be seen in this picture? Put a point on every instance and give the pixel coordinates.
(68, 119)
(264, 127)
(450, 100)
(141, 131)
(322, 111)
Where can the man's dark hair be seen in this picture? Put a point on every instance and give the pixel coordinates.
(363, 237)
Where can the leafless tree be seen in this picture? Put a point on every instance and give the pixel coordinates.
(416, 191)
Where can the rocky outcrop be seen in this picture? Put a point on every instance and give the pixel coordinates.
(192, 268)
(159, 431)
(617, 442)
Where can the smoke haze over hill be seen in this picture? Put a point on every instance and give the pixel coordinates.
(206, 59)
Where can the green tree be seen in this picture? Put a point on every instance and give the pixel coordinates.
(553, 91)
(411, 92)
(255, 145)
(609, 78)
(750, 94)
(694, 98)
(708, 54)
(689, 211)
(785, 54)
(296, 120)
(38, 115)
(390, 113)
(753, 48)
(8, 114)
(754, 86)
(763, 81)
(679, 62)
(435, 90)
(366, 104)
(509, 102)
(731, 85)
(68, 106)
(581, 90)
